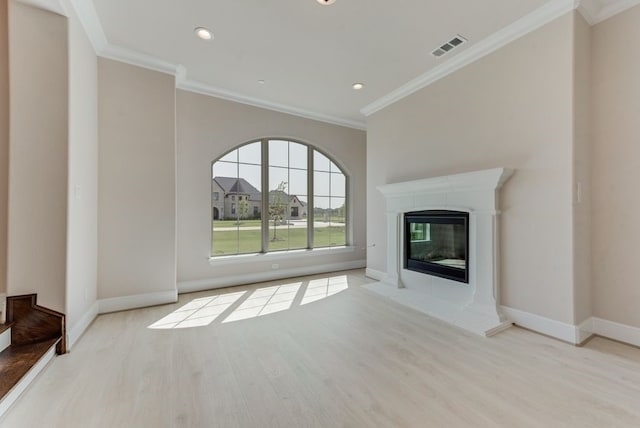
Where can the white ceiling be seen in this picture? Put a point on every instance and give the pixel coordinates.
(309, 55)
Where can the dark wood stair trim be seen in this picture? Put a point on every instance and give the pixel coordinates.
(32, 323)
(4, 327)
(17, 360)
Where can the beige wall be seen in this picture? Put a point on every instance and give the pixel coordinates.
(207, 128)
(616, 171)
(4, 139)
(136, 170)
(38, 154)
(582, 170)
(82, 238)
(513, 109)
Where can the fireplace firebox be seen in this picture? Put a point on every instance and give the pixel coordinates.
(437, 242)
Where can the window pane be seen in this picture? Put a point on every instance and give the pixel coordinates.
(334, 168)
(297, 155)
(250, 179)
(338, 235)
(250, 236)
(251, 153)
(338, 185)
(236, 203)
(338, 222)
(320, 161)
(298, 236)
(321, 224)
(278, 176)
(225, 239)
(225, 169)
(321, 182)
(278, 229)
(230, 157)
(297, 182)
(338, 210)
(278, 153)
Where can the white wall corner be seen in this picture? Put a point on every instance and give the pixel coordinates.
(115, 304)
(613, 330)
(378, 275)
(82, 325)
(91, 22)
(589, 10)
(559, 330)
(230, 281)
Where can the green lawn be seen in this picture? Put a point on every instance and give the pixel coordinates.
(227, 242)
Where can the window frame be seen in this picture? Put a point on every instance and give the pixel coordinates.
(264, 166)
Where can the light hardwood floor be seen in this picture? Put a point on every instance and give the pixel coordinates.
(352, 359)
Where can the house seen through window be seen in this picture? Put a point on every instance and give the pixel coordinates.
(289, 196)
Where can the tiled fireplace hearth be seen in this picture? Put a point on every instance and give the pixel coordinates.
(473, 306)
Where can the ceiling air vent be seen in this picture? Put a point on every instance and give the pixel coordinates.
(449, 46)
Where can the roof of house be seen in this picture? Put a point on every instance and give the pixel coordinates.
(284, 196)
(242, 186)
(238, 185)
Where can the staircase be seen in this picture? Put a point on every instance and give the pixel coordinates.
(30, 337)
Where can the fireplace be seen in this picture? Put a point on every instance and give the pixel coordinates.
(461, 212)
(436, 243)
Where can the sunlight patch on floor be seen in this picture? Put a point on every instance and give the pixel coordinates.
(266, 301)
(319, 289)
(198, 312)
(249, 304)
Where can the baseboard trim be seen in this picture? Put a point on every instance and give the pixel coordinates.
(230, 281)
(378, 275)
(81, 326)
(20, 387)
(559, 330)
(115, 304)
(613, 330)
(584, 331)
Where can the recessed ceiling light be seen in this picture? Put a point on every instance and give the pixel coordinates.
(261, 82)
(203, 33)
(326, 2)
(358, 86)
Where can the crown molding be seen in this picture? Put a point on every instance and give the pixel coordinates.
(596, 11)
(204, 89)
(519, 28)
(139, 59)
(593, 11)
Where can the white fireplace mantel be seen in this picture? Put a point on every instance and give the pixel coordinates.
(473, 306)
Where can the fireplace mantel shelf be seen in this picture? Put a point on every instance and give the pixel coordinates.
(488, 179)
(474, 306)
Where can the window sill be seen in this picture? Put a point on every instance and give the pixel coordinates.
(277, 255)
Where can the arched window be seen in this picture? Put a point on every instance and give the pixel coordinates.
(277, 195)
